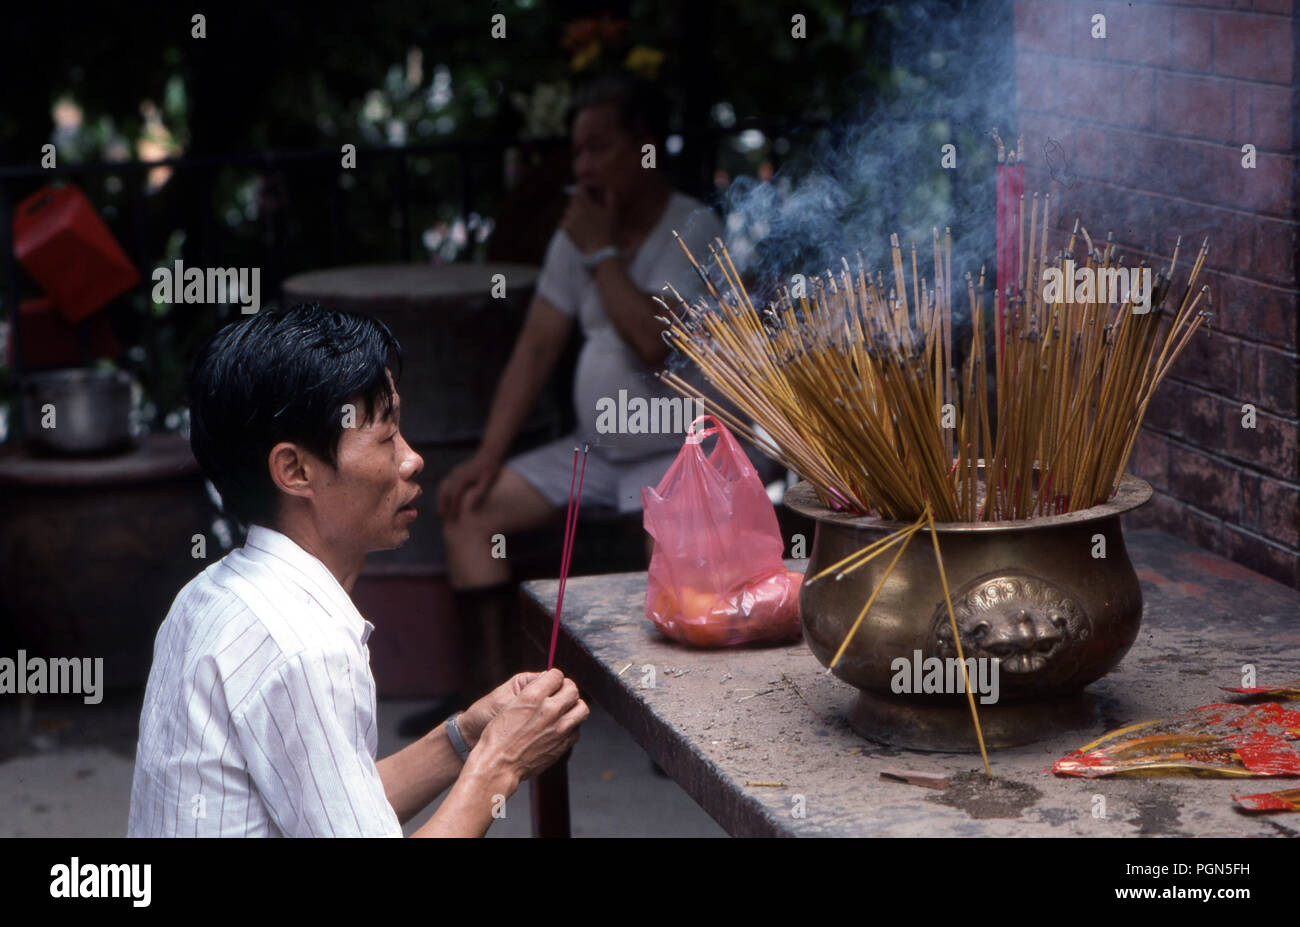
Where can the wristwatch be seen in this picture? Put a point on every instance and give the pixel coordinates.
(593, 260)
(457, 738)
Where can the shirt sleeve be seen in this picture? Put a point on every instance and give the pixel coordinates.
(304, 738)
(561, 275)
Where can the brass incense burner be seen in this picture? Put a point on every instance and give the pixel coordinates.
(1044, 606)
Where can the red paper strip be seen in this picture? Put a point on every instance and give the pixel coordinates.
(1288, 689)
(1286, 800)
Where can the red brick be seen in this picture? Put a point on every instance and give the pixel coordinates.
(1187, 412)
(1281, 7)
(1041, 25)
(1036, 81)
(1194, 222)
(1272, 253)
(1270, 118)
(1150, 459)
(1137, 96)
(1193, 30)
(1170, 515)
(1196, 106)
(1248, 373)
(1137, 34)
(1252, 310)
(1250, 489)
(1135, 222)
(1253, 47)
(1194, 170)
(1075, 81)
(1279, 512)
(1163, 412)
(1275, 316)
(1203, 481)
(1279, 379)
(1088, 154)
(1269, 447)
(1264, 188)
(1272, 560)
(1225, 4)
(1241, 109)
(1210, 360)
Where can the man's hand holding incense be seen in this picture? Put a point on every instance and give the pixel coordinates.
(477, 716)
(532, 731)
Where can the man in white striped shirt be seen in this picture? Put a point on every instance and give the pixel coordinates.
(259, 714)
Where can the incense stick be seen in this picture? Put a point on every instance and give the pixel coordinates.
(570, 530)
(956, 639)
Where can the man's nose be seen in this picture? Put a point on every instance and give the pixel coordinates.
(412, 463)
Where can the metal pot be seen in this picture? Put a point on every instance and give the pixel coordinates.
(77, 411)
(1053, 601)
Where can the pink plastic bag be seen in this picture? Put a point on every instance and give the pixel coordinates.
(716, 575)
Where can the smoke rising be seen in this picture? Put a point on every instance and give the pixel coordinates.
(945, 75)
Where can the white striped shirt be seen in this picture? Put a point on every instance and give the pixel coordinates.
(259, 715)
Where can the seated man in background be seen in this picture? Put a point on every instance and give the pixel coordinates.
(259, 715)
(612, 252)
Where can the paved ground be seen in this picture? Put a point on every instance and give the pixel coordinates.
(65, 771)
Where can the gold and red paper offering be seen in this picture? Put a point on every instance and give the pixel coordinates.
(1223, 740)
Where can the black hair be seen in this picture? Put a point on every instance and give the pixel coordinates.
(642, 105)
(283, 375)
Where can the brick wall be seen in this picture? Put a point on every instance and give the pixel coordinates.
(1152, 120)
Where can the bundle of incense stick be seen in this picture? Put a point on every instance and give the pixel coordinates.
(854, 385)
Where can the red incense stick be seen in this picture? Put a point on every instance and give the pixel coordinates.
(570, 529)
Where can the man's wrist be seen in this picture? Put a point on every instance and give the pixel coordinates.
(469, 727)
(459, 739)
(490, 774)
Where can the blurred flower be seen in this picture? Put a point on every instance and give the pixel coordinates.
(414, 68)
(375, 107)
(582, 32)
(155, 143)
(644, 60)
(586, 57)
(579, 34)
(67, 115)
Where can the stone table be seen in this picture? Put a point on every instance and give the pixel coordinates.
(719, 721)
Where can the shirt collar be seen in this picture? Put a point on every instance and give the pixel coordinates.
(308, 573)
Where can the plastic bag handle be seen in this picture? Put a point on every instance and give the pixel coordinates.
(697, 437)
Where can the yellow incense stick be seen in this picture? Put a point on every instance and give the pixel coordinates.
(956, 639)
(866, 608)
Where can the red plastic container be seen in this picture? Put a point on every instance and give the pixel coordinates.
(61, 241)
(50, 341)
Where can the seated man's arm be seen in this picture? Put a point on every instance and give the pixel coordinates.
(419, 772)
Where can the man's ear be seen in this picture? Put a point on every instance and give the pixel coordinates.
(293, 469)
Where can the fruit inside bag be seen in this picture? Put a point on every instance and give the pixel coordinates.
(716, 574)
